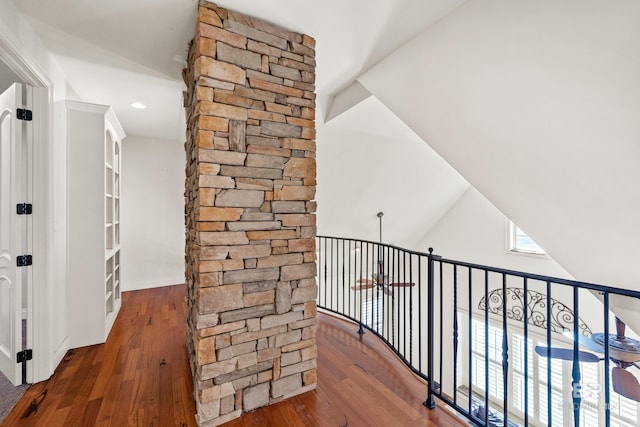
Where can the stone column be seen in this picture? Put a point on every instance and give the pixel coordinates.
(251, 227)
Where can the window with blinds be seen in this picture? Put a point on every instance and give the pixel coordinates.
(372, 314)
(624, 412)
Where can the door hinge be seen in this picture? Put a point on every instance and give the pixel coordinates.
(24, 114)
(24, 260)
(24, 208)
(24, 355)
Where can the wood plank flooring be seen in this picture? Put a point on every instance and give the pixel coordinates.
(141, 377)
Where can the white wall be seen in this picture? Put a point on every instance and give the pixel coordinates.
(536, 105)
(152, 213)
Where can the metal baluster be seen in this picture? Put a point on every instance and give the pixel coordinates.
(549, 395)
(607, 370)
(455, 334)
(470, 354)
(441, 320)
(349, 275)
(486, 345)
(410, 310)
(332, 260)
(505, 352)
(576, 387)
(525, 319)
(404, 305)
(344, 278)
(419, 284)
(360, 329)
(430, 402)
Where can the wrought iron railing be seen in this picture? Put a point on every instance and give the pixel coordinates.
(500, 347)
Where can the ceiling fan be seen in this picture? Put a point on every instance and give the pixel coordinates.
(624, 352)
(380, 279)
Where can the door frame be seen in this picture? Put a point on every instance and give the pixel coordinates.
(39, 284)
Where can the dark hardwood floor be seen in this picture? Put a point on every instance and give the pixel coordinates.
(141, 377)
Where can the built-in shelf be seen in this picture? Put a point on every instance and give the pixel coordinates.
(94, 141)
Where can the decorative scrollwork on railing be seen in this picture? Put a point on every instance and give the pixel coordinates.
(561, 316)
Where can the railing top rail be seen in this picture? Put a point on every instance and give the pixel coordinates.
(532, 276)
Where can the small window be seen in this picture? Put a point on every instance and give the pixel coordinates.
(520, 242)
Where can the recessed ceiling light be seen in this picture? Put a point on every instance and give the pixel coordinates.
(138, 105)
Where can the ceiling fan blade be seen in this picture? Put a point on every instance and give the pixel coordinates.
(585, 341)
(402, 285)
(625, 384)
(362, 286)
(566, 354)
(366, 281)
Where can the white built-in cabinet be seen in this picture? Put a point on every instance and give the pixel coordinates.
(94, 138)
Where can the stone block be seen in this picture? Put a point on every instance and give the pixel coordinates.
(237, 350)
(245, 372)
(223, 238)
(213, 83)
(300, 168)
(247, 172)
(215, 181)
(256, 275)
(290, 358)
(309, 353)
(253, 325)
(280, 130)
(310, 309)
(224, 96)
(308, 332)
(263, 74)
(247, 313)
(221, 110)
(237, 136)
(211, 123)
(249, 251)
(219, 265)
(279, 260)
(209, 67)
(299, 345)
(206, 196)
(298, 368)
(208, 16)
(290, 63)
(301, 122)
(263, 48)
(206, 320)
(297, 192)
(264, 142)
(265, 376)
(288, 338)
(248, 381)
(220, 298)
(310, 377)
(280, 319)
(255, 397)
(215, 392)
(215, 33)
(247, 360)
(286, 385)
(278, 108)
(269, 235)
(298, 144)
(254, 184)
(267, 115)
(208, 168)
(283, 297)
(240, 198)
(207, 411)
(219, 214)
(259, 286)
(302, 245)
(227, 404)
(288, 207)
(297, 272)
(301, 295)
(285, 72)
(241, 57)
(221, 329)
(259, 298)
(205, 350)
(259, 334)
(216, 369)
(264, 161)
(268, 354)
(254, 225)
(276, 88)
(257, 35)
(257, 94)
(295, 220)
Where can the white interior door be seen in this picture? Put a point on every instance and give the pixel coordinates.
(12, 229)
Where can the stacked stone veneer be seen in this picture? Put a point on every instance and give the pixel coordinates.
(251, 227)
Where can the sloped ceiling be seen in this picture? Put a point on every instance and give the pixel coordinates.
(536, 104)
